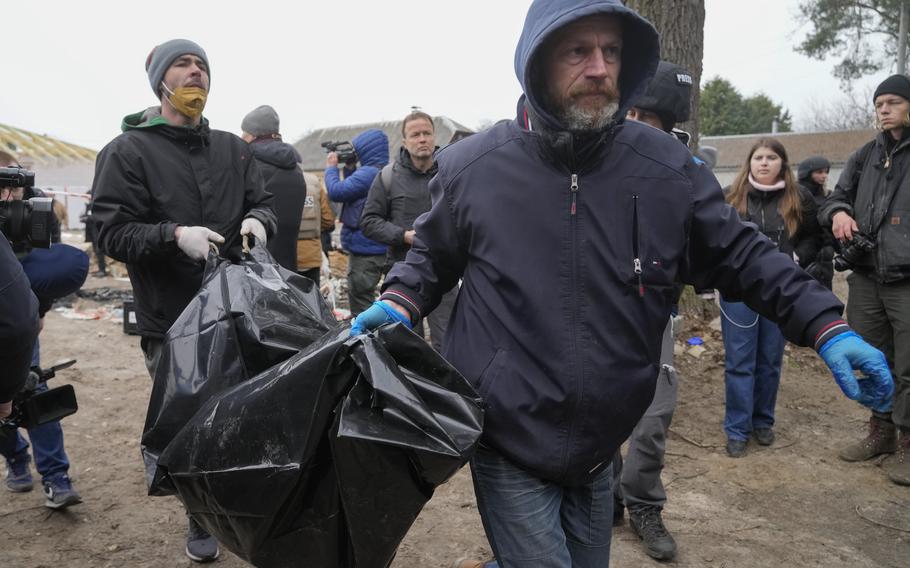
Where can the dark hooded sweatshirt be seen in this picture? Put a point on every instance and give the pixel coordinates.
(284, 180)
(156, 176)
(569, 247)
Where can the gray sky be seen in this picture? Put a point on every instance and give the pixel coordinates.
(74, 69)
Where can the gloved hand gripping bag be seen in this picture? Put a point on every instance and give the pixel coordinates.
(248, 315)
(326, 459)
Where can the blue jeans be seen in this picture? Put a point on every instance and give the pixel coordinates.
(753, 351)
(47, 442)
(534, 523)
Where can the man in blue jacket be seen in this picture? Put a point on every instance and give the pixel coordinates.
(570, 227)
(366, 257)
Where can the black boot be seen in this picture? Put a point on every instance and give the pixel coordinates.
(646, 522)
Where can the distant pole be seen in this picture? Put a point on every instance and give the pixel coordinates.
(902, 38)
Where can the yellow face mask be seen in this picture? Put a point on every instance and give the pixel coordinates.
(188, 101)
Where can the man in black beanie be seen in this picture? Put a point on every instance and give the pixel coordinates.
(872, 199)
(165, 190)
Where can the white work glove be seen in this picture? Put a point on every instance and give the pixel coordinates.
(195, 241)
(252, 226)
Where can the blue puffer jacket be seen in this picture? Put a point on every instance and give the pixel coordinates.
(372, 148)
(570, 247)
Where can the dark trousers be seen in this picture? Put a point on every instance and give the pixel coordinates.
(637, 481)
(753, 353)
(312, 273)
(880, 313)
(438, 319)
(151, 348)
(364, 272)
(535, 523)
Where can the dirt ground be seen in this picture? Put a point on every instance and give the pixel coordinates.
(792, 504)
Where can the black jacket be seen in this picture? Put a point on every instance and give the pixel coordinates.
(390, 211)
(874, 189)
(156, 176)
(569, 247)
(762, 210)
(278, 163)
(18, 323)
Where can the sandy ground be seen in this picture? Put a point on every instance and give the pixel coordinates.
(793, 504)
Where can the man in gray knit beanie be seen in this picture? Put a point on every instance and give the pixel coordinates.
(179, 75)
(166, 190)
(261, 121)
(163, 55)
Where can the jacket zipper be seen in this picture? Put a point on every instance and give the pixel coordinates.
(574, 189)
(574, 293)
(636, 244)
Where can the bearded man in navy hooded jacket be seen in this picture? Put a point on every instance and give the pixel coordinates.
(570, 227)
(366, 257)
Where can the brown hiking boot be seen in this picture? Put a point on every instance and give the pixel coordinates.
(900, 473)
(882, 439)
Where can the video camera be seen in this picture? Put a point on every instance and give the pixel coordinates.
(852, 251)
(344, 150)
(26, 223)
(31, 408)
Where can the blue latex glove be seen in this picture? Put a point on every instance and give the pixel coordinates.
(378, 314)
(848, 351)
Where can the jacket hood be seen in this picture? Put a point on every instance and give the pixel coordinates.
(640, 53)
(275, 152)
(372, 148)
(811, 164)
(151, 119)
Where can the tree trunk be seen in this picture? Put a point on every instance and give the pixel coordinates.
(681, 25)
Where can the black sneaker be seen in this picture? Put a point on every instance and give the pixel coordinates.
(649, 527)
(200, 545)
(736, 448)
(60, 493)
(18, 475)
(764, 436)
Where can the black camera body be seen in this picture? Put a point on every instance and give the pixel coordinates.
(344, 150)
(32, 408)
(853, 251)
(26, 223)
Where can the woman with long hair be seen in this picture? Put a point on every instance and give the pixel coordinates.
(766, 194)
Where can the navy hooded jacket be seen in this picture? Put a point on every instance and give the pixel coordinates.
(569, 252)
(372, 147)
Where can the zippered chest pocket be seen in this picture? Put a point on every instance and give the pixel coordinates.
(657, 241)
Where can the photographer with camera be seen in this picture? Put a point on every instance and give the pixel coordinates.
(166, 190)
(18, 327)
(869, 213)
(366, 257)
(53, 272)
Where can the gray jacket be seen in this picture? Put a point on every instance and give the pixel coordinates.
(390, 211)
(874, 189)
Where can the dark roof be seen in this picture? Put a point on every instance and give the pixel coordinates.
(835, 145)
(313, 156)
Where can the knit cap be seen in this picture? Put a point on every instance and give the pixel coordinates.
(161, 57)
(894, 85)
(261, 121)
